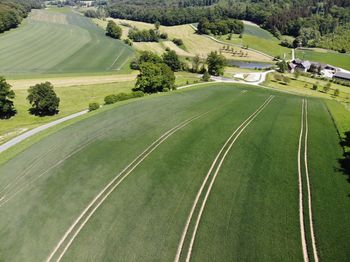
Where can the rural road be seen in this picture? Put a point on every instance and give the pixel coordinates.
(34, 131)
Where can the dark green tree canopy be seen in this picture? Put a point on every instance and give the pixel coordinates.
(7, 108)
(113, 30)
(154, 78)
(216, 64)
(172, 60)
(43, 99)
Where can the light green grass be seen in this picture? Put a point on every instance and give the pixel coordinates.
(327, 57)
(73, 99)
(54, 42)
(259, 39)
(253, 205)
(303, 86)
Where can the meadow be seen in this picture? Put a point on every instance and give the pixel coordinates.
(253, 204)
(60, 41)
(324, 56)
(194, 44)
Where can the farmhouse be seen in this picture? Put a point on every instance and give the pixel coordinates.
(342, 76)
(300, 65)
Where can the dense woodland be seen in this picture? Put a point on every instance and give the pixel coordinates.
(12, 12)
(312, 20)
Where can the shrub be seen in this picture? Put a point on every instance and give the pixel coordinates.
(128, 42)
(164, 36)
(113, 30)
(336, 92)
(94, 106)
(138, 94)
(314, 87)
(123, 96)
(178, 41)
(206, 76)
(110, 99)
(166, 89)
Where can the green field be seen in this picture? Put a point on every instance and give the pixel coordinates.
(252, 211)
(259, 39)
(60, 41)
(327, 57)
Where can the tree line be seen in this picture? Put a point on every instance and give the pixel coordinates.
(307, 19)
(12, 12)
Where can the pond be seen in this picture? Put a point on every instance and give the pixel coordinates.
(250, 65)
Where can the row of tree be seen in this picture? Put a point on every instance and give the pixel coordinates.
(42, 98)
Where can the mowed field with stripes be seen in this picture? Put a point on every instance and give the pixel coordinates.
(60, 41)
(214, 173)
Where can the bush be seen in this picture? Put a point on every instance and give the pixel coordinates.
(206, 76)
(128, 42)
(164, 36)
(178, 41)
(336, 92)
(123, 96)
(113, 30)
(94, 106)
(138, 94)
(314, 87)
(110, 99)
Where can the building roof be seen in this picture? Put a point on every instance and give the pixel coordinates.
(343, 75)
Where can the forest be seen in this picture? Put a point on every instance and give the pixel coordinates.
(12, 12)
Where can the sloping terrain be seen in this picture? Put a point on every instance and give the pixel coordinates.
(120, 184)
(59, 41)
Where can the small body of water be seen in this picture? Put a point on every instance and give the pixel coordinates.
(250, 65)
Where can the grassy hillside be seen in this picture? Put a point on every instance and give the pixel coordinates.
(259, 39)
(253, 204)
(327, 57)
(60, 41)
(194, 44)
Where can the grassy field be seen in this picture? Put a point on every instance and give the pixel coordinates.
(259, 39)
(303, 86)
(253, 204)
(59, 41)
(75, 94)
(324, 56)
(194, 44)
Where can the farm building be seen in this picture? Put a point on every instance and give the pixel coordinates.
(342, 76)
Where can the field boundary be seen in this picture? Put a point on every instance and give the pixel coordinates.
(219, 157)
(108, 189)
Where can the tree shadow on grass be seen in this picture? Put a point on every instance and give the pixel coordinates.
(345, 160)
(41, 113)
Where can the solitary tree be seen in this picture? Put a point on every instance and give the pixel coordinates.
(113, 30)
(154, 78)
(216, 63)
(327, 87)
(206, 76)
(7, 108)
(157, 25)
(336, 92)
(172, 60)
(195, 63)
(282, 66)
(43, 99)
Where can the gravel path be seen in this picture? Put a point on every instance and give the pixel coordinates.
(34, 131)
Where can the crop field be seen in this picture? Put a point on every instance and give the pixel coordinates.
(326, 57)
(52, 41)
(220, 172)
